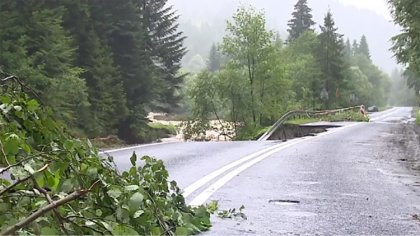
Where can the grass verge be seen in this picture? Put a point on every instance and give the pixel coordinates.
(417, 111)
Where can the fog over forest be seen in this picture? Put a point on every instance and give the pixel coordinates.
(204, 21)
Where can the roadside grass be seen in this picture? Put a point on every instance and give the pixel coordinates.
(346, 116)
(340, 116)
(301, 121)
(111, 141)
(417, 111)
(165, 128)
(251, 133)
(152, 133)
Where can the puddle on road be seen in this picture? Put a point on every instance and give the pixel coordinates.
(284, 202)
(289, 131)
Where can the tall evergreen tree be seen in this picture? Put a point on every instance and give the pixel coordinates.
(36, 47)
(363, 48)
(348, 49)
(301, 20)
(164, 42)
(331, 59)
(355, 47)
(214, 60)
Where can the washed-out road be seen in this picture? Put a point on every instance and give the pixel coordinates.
(360, 178)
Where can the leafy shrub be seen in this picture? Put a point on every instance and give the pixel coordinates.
(53, 183)
(163, 128)
(346, 116)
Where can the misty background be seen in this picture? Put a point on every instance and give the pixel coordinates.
(204, 22)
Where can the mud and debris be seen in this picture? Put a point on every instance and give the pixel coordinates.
(290, 131)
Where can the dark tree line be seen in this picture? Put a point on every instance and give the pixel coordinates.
(101, 64)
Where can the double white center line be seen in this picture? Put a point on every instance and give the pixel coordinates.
(246, 162)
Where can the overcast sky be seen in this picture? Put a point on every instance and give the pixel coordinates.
(378, 6)
(353, 18)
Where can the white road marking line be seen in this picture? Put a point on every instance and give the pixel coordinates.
(203, 196)
(204, 180)
(135, 147)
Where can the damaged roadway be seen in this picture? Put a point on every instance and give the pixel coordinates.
(363, 179)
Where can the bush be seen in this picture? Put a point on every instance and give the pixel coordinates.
(164, 129)
(346, 116)
(251, 133)
(59, 184)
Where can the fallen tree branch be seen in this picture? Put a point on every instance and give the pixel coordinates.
(14, 165)
(22, 180)
(42, 211)
(4, 153)
(50, 201)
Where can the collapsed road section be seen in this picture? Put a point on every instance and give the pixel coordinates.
(290, 131)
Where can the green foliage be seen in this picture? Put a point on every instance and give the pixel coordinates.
(195, 129)
(165, 128)
(400, 94)
(248, 44)
(301, 121)
(232, 213)
(263, 79)
(36, 47)
(363, 48)
(331, 59)
(250, 133)
(406, 44)
(346, 116)
(301, 21)
(418, 118)
(214, 62)
(67, 188)
(99, 64)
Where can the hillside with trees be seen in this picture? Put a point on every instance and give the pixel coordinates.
(102, 65)
(262, 77)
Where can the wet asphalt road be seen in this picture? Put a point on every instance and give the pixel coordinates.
(341, 181)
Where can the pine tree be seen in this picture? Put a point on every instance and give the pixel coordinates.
(363, 48)
(331, 59)
(348, 50)
(355, 47)
(165, 44)
(44, 56)
(214, 60)
(301, 20)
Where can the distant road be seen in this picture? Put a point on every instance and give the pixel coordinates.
(344, 181)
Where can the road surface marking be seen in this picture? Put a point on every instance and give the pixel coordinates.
(203, 196)
(204, 180)
(135, 147)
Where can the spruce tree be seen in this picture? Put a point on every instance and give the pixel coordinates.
(301, 20)
(331, 59)
(164, 42)
(214, 60)
(348, 50)
(354, 47)
(37, 48)
(363, 48)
